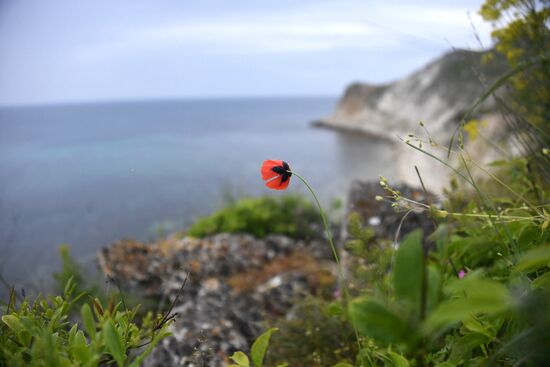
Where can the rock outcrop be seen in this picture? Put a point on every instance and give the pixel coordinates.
(438, 95)
(236, 282)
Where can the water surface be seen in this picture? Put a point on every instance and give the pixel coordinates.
(87, 175)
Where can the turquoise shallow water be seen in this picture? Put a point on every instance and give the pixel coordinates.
(87, 175)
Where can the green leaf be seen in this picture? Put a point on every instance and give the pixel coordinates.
(72, 334)
(409, 266)
(47, 349)
(446, 364)
(398, 360)
(88, 320)
(473, 324)
(534, 259)
(377, 321)
(13, 323)
(80, 349)
(463, 347)
(259, 348)
(434, 287)
(471, 296)
(343, 364)
(114, 343)
(240, 359)
(542, 282)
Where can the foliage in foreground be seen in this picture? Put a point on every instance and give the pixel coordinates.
(318, 333)
(257, 352)
(289, 215)
(41, 333)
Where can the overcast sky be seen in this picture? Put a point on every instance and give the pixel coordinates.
(67, 51)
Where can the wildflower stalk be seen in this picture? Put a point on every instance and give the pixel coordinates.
(341, 279)
(443, 213)
(325, 221)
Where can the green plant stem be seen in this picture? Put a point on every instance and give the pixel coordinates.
(519, 196)
(488, 173)
(498, 83)
(487, 216)
(440, 161)
(488, 203)
(325, 221)
(342, 281)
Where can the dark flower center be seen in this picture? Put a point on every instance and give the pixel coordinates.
(283, 171)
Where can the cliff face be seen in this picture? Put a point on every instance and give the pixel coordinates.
(438, 95)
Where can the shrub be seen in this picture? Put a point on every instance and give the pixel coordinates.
(288, 215)
(39, 333)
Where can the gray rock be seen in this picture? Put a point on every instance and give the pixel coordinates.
(236, 282)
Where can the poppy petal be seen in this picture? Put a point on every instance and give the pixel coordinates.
(274, 183)
(277, 183)
(284, 184)
(267, 168)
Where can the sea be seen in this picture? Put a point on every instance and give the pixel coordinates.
(86, 175)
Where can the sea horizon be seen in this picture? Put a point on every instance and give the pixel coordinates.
(139, 100)
(90, 174)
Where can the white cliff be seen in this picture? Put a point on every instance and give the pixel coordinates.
(438, 95)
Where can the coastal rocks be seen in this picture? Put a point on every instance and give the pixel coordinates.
(236, 281)
(439, 95)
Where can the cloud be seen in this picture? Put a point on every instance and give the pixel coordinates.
(236, 36)
(321, 28)
(141, 49)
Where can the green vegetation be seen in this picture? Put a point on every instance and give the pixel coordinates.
(257, 352)
(40, 332)
(475, 292)
(71, 271)
(319, 334)
(289, 215)
(522, 35)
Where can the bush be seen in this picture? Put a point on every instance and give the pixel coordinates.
(38, 332)
(288, 215)
(480, 297)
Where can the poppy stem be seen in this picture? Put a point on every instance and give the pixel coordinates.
(324, 218)
(341, 279)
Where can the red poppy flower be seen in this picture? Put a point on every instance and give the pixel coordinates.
(276, 173)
